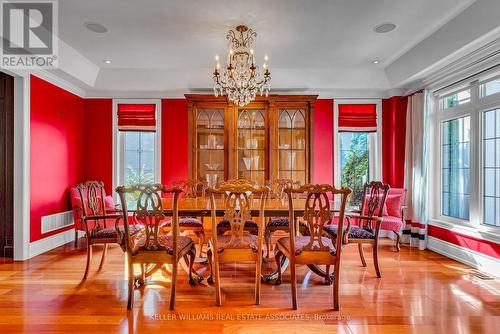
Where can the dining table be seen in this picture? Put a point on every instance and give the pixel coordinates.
(200, 207)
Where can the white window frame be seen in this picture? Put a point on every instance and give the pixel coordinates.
(375, 171)
(475, 109)
(118, 140)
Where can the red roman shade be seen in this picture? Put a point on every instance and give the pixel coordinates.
(357, 118)
(137, 117)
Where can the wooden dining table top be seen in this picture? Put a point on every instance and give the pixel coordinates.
(273, 207)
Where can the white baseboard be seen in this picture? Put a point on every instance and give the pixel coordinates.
(44, 245)
(472, 258)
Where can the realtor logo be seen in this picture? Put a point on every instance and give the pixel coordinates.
(29, 36)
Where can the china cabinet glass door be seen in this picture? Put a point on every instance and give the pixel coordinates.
(292, 145)
(210, 145)
(251, 144)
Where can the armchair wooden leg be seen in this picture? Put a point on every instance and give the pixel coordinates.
(216, 274)
(173, 288)
(258, 278)
(327, 276)
(336, 277)
(398, 240)
(375, 259)
(131, 284)
(362, 254)
(192, 256)
(294, 284)
(76, 238)
(267, 240)
(201, 237)
(210, 279)
(103, 257)
(277, 257)
(89, 258)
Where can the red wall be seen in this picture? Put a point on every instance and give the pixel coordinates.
(99, 141)
(57, 150)
(323, 141)
(393, 140)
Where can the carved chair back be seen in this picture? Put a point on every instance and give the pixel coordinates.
(237, 182)
(191, 188)
(148, 213)
(278, 186)
(317, 213)
(372, 205)
(92, 195)
(238, 200)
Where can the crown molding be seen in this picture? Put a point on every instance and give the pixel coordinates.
(59, 82)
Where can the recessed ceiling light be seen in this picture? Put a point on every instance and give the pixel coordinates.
(384, 28)
(107, 61)
(375, 61)
(95, 27)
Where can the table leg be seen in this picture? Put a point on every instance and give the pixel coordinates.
(274, 274)
(320, 272)
(150, 270)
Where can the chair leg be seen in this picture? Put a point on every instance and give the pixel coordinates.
(201, 237)
(103, 257)
(398, 240)
(131, 283)
(192, 256)
(216, 274)
(375, 259)
(327, 277)
(173, 288)
(362, 254)
(293, 275)
(258, 277)
(89, 258)
(210, 278)
(336, 277)
(267, 240)
(76, 238)
(277, 257)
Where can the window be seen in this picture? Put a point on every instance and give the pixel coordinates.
(491, 167)
(455, 168)
(355, 162)
(490, 87)
(455, 99)
(139, 158)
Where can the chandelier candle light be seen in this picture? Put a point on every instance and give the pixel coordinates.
(241, 79)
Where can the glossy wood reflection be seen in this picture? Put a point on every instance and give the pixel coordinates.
(420, 292)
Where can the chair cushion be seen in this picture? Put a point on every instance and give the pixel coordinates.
(279, 221)
(186, 222)
(224, 226)
(249, 241)
(110, 232)
(301, 242)
(355, 232)
(166, 240)
(392, 223)
(394, 204)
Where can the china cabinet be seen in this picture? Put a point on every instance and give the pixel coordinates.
(267, 139)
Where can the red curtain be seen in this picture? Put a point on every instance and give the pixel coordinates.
(393, 140)
(357, 118)
(137, 117)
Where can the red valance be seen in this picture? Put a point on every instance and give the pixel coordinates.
(137, 117)
(357, 118)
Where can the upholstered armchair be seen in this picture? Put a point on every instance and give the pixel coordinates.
(393, 215)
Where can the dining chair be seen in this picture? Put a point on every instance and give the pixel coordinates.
(367, 221)
(275, 224)
(315, 248)
(223, 226)
(95, 219)
(153, 247)
(192, 189)
(239, 245)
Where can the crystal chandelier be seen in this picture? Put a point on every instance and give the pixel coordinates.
(241, 79)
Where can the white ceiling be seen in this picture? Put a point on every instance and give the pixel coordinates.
(167, 47)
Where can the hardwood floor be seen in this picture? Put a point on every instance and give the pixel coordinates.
(419, 292)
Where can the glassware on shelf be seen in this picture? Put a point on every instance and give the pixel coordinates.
(284, 147)
(212, 141)
(301, 144)
(291, 160)
(212, 180)
(251, 143)
(256, 162)
(248, 162)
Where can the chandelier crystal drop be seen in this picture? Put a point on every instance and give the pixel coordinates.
(241, 78)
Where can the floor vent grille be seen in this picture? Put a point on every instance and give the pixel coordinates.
(481, 275)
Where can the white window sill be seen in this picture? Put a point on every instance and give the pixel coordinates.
(480, 232)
